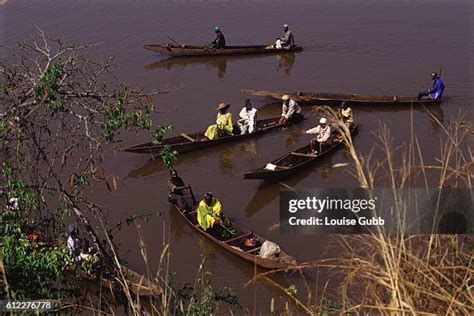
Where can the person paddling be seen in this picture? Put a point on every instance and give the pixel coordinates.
(179, 192)
(219, 41)
(436, 91)
(209, 211)
(323, 136)
(290, 112)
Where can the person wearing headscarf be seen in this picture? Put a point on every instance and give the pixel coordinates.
(209, 212)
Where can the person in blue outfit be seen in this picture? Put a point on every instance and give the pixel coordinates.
(436, 91)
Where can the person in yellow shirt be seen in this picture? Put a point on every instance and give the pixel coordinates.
(345, 114)
(209, 212)
(223, 126)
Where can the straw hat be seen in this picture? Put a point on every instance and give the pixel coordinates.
(222, 106)
(286, 97)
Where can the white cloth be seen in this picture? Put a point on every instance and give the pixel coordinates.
(71, 244)
(248, 117)
(323, 134)
(290, 108)
(285, 42)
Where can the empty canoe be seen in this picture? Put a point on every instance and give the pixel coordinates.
(334, 99)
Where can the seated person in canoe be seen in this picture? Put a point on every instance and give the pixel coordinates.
(79, 249)
(248, 118)
(345, 114)
(287, 41)
(180, 193)
(210, 217)
(219, 41)
(436, 91)
(291, 111)
(223, 126)
(323, 136)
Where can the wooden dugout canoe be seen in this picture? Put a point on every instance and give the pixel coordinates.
(139, 285)
(293, 162)
(236, 245)
(189, 50)
(334, 99)
(195, 141)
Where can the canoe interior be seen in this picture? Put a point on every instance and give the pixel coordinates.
(236, 245)
(182, 144)
(290, 163)
(327, 98)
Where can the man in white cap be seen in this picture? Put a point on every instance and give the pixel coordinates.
(290, 112)
(323, 135)
(287, 41)
(248, 118)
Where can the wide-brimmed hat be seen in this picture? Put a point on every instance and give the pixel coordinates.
(286, 97)
(323, 120)
(222, 106)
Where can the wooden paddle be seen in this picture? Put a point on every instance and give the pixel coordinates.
(192, 195)
(174, 41)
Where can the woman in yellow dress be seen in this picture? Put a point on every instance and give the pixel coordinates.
(223, 126)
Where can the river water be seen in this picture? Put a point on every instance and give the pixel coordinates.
(365, 47)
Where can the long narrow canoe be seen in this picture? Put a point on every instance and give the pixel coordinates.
(194, 141)
(236, 245)
(292, 162)
(139, 285)
(334, 99)
(189, 50)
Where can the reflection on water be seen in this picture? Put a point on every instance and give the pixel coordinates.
(285, 62)
(292, 137)
(226, 160)
(145, 169)
(249, 148)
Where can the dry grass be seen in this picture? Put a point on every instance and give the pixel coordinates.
(403, 274)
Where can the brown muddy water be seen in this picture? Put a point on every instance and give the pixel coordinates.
(366, 47)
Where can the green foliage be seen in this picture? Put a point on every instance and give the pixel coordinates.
(208, 301)
(292, 290)
(166, 154)
(33, 262)
(116, 117)
(3, 129)
(48, 90)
